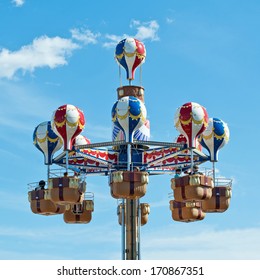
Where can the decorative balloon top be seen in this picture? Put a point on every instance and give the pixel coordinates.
(129, 114)
(46, 140)
(215, 137)
(183, 140)
(191, 119)
(68, 121)
(130, 53)
(80, 140)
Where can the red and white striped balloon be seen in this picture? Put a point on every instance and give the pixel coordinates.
(80, 140)
(191, 119)
(183, 140)
(68, 121)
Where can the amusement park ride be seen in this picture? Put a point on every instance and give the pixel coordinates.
(130, 159)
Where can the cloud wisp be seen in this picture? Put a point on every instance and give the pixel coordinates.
(145, 31)
(84, 36)
(18, 3)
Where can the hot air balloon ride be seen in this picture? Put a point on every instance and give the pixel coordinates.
(48, 142)
(128, 115)
(130, 159)
(130, 53)
(215, 136)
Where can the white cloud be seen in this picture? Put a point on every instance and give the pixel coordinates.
(113, 40)
(84, 35)
(18, 3)
(145, 31)
(43, 52)
(53, 52)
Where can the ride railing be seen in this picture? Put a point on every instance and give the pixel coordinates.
(89, 196)
(223, 182)
(33, 186)
(60, 172)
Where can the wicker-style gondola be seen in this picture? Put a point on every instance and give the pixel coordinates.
(79, 213)
(41, 204)
(65, 190)
(189, 211)
(220, 200)
(145, 211)
(192, 187)
(128, 184)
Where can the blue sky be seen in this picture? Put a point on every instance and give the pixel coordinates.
(62, 52)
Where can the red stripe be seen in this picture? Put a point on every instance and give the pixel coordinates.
(183, 195)
(38, 206)
(77, 218)
(180, 213)
(132, 183)
(205, 191)
(185, 114)
(200, 213)
(61, 198)
(217, 201)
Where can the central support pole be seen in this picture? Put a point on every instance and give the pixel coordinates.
(67, 160)
(131, 230)
(191, 159)
(214, 173)
(131, 220)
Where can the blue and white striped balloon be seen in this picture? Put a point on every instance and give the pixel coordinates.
(214, 137)
(128, 115)
(47, 141)
(142, 133)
